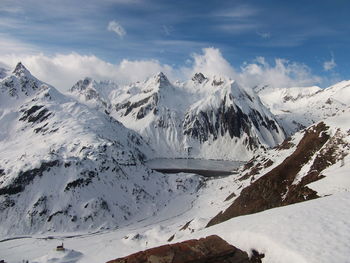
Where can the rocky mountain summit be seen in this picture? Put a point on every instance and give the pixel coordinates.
(194, 118)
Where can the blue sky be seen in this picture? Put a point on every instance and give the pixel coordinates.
(314, 33)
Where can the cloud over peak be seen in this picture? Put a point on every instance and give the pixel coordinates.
(63, 70)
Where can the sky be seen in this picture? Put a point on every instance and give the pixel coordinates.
(127, 40)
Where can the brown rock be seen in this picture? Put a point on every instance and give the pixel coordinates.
(276, 188)
(211, 249)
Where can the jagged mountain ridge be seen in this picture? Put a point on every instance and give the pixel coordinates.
(201, 118)
(67, 167)
(300, 107)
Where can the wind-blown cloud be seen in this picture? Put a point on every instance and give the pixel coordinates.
(210, 62)
(9, 45)
(282, 73)
(239, 12)
(115, 27)
(264, 35)
(330, 64)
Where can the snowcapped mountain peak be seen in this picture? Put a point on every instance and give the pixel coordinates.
(82, 84)
(20, 84)
(199, 78)
(94, 93)
(157, 82)
(161, 79)
(21, 70)
(218, 81)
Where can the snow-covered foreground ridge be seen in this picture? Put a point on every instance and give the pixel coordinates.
(205, 117)
(65, 167)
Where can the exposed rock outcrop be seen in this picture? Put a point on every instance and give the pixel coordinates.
(277, 187)
(211, 249)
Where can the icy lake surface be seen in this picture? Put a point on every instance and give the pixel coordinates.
(198, 166)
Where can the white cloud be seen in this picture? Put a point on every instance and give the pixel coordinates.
(329, 65)
(9, 45)
(210, 63)
(282, 73)
(239, 28)
(114, 26)
(64, 70)
(264, 35)
(167, 30)
(239, 12)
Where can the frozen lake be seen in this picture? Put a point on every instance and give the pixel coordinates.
(198, 166)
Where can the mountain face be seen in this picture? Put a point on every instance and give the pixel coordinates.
(298, 108)
(65, 166)
(94, 94)
(312, 163)
(201, 118)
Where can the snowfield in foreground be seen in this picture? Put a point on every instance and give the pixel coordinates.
(313, 231)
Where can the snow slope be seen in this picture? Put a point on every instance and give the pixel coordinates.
(67, 167)
(298, 108)
(313, 231)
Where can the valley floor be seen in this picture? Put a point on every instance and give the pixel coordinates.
(313, 231)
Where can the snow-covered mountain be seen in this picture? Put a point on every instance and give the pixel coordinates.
(94, 94)
(68, 165)
(65, 166)
(298, 108)
(312, 163)
(201, 118)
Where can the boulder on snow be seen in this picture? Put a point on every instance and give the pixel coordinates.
(211, 249)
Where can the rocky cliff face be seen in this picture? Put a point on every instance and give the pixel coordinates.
(283, 176)
(195, 118)
(232, 114)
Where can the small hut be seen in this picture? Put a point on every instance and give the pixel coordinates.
(60, 248)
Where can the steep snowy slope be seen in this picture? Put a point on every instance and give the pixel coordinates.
(314, 231)
(228, 121)
(311, 164)
(298, 108)
(201, 118)
(65, 166)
